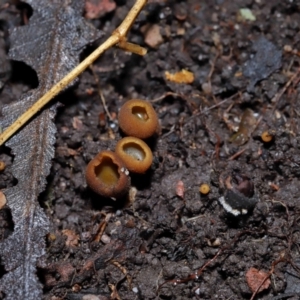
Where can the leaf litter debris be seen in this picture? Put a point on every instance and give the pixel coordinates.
(51, 44)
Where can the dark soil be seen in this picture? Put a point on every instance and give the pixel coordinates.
(104, 249)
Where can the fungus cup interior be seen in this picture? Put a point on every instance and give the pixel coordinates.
(106, 175)
(204, 189)
(140, 112)
(107, 172)
(134, 150)
(135, 153)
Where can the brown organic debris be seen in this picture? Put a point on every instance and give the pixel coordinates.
(95, 9)
(2, 165)
(67, 152)
(2, 200)
(255, 280)
(72, 238)
(183, 76)
(77, 123)
(180, 189)
(246, 127)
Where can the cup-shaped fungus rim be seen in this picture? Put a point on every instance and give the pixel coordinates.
(204, 188)
(138, 118)
(135, 153)
(106, 174)
(267, 137)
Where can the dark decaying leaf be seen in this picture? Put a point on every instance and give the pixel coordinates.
(51, 44)
(5, 67)
(265, 61)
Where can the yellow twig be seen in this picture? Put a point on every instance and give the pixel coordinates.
(117, 36)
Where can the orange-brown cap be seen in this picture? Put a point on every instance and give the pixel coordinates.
(138, 118)
(107, 175)
(135, 153)
(204, 189)
(267, 136)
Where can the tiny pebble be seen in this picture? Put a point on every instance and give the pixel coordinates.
(197, 291)
(105, 239)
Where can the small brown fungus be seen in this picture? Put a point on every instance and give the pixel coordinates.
(107, 175)
(135, 153)
(2, 165)
(2, 200)
(266, 137)
(204, 189)
(138, 118)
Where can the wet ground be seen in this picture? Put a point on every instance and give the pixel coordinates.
(167, 240)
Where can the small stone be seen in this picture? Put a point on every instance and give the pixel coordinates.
(153, 36)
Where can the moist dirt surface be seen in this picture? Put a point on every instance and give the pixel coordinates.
(166, 239)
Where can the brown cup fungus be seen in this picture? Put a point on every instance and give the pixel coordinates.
(138, 118)
(107, 175)
(204, 189)
(266, 137)
(135, 153)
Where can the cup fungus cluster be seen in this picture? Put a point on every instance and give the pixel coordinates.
(108, 173)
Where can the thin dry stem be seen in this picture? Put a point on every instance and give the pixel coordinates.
(133, 48)
(101, 94)
(117, 36)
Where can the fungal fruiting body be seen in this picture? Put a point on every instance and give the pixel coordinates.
(204, 189)
(138, 118)
(266, 137)
(135, 153)
(107, 175)
(2, 165)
